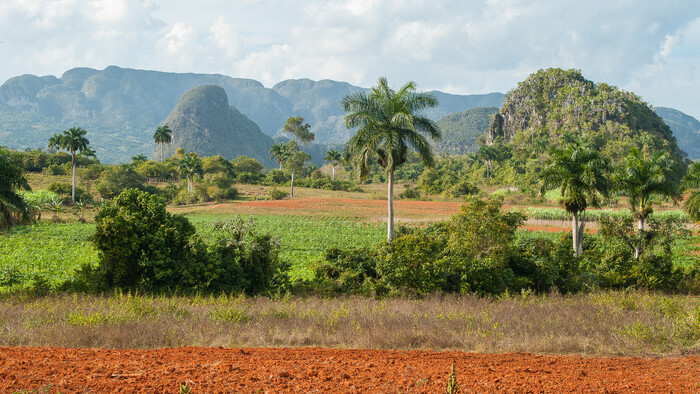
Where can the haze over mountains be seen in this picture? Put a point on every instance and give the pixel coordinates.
(121, 108)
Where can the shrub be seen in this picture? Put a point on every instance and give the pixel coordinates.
(277, 194)
(63, 190)
(249, 260)
(116, 179)
(142, 246)
(347, 271)
(55, 169)
(410, 193)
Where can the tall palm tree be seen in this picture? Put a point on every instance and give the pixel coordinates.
(642, 179)
(13, 208)
(163, 135)
(280, 153)
(72, 140)
(389, 123)
(691, 182)
(190, 165)
(334, 157)
(581, 175)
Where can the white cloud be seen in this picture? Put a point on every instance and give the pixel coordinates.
(464, 46)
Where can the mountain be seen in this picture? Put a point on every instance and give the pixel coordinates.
(204, 122)
(685, 128)
(554, 106)
(121, 108)
(461, 130)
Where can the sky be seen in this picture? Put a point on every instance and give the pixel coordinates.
(649, 47)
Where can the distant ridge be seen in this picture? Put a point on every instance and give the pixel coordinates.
(121, 107)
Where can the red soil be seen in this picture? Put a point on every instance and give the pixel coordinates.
(326, 370)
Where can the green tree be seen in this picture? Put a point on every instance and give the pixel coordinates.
(189, 166)
(295, 162)
(642, 179)
(389, 123)
(691, 182)
(335, 158)
(13, 208)
(72, 140)
(163, 135)
(581, 175)
(298, 129)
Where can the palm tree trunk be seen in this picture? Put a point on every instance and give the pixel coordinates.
(162, 159)
(333, 176)
(640, 231)
(72, 193)
(577, 233)
(390, 199)
(291, 190)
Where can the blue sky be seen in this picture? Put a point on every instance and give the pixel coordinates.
(470, 46)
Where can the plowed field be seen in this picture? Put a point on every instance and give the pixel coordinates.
(218, 370)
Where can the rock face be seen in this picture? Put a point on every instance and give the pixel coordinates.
(205, 123)
(559, 106)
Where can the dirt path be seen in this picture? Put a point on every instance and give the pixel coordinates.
(215, 370)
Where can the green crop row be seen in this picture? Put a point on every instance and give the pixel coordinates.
(538, 213)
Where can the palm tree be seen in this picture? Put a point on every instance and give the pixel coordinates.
(389, 123)
(280, 153)
(334, 157)
(72, 140)
(641, 180)
(691, 182)
(581, 175)
(163, 135)
(190, 165)
(13, 207)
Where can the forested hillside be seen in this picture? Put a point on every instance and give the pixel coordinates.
(555, 107)
(461, 131)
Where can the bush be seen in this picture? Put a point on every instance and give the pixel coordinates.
(249, 260)
(347, 271)
(56, 169)
(63, 190)
(116, 179)
(410, 193)
(277, 194)
(141, 246)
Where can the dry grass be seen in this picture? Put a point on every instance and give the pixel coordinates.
(597, 324)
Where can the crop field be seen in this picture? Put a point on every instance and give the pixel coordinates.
(48, 254)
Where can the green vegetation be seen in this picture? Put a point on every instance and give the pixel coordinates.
(579, 173)
(13, 208)
(73, 141)
(553, 108)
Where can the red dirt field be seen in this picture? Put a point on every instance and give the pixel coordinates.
(315, 370)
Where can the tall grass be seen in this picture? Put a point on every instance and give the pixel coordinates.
(615, 323)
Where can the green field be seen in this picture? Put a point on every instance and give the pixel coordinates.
(48, 254)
